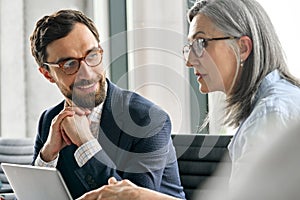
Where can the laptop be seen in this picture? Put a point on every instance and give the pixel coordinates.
(36, 183)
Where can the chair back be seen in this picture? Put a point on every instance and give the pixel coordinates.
(17, 151)
(198, 157)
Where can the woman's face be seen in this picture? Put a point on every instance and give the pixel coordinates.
(216, 67)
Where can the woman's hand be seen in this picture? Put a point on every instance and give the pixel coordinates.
(124, 190)
(121, 190)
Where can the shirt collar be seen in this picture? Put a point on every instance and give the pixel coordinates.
(269, 80)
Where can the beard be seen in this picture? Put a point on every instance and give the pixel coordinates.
(90, 100)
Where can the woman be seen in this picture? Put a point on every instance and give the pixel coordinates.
(235, 49)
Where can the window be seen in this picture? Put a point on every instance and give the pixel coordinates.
(284, 16)
(151, 46)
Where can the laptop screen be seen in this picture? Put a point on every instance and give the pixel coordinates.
(36, 183)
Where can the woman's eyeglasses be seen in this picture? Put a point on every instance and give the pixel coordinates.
(198, 45)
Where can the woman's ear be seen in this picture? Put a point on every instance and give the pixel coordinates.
(46, 74)
(245, 44)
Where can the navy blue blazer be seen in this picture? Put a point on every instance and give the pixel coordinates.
(136, 145)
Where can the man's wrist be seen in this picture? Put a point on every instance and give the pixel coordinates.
(46, 156)
(40, 162)
(87, 151)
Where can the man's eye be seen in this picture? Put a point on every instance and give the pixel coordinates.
(71, 63)
(92, 55)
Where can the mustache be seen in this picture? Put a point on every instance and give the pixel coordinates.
(83, 82)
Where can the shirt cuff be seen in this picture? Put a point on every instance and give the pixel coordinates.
(87, 151)
(41, 163)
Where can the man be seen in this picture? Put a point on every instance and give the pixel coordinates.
(99, 131)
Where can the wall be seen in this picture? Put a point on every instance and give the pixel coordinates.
(24, 92)
(13, 115)
(285, 17)
(156, 35)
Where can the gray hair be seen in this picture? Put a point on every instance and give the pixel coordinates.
(246, 18)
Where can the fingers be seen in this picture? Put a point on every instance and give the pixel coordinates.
(55, 141)
(112, 180)
(66, 139)
(121, 190)
(92, 195)
(126, 182)
(78, 110)
(59, 118)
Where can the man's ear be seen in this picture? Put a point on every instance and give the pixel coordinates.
(46, 74)
(245, 44)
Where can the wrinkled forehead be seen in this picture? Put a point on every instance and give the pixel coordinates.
(201, 27)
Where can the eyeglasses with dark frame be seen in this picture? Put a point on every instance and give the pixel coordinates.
(71, 66)
(199, 44)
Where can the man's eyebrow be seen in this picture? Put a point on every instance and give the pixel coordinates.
(68, 58)
(63, 59)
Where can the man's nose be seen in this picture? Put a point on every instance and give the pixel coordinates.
(85, 71)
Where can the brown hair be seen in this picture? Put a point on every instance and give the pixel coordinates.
(56, 26)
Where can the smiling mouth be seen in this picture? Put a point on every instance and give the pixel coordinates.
(85, 86)
(90, 88)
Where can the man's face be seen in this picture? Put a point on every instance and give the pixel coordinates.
(85, 88)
